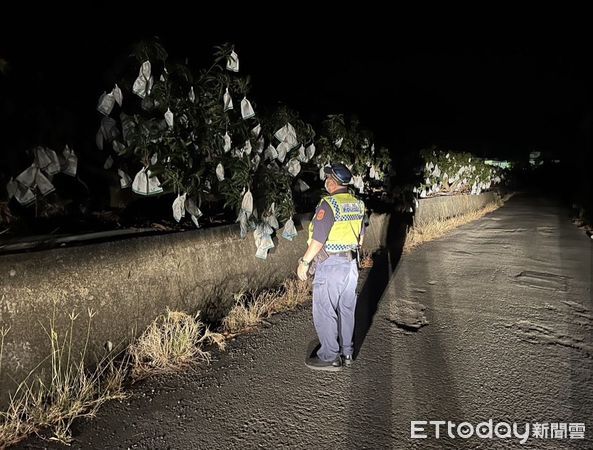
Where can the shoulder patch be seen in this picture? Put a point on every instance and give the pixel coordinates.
(320, 214)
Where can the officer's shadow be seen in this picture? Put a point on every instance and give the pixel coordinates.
(372, 283)
(312, 348)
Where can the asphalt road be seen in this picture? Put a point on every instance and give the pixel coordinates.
(507, 309)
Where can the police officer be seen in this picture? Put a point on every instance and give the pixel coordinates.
(335, 234)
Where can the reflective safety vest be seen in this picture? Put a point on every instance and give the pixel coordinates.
(345, 232)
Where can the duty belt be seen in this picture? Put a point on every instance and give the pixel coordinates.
(351, 254)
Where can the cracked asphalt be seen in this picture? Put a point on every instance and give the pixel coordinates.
(507, 313)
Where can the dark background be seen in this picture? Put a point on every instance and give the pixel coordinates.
(488, 82)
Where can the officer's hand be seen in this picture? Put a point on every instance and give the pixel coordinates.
(302, 272)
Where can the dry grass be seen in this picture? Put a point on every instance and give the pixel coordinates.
(291, 295)
(172, 342)
(251, 308)
(418, 235)
(366, 260)
(71, 390)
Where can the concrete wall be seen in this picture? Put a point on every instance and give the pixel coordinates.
(439, 208)
(129, 282)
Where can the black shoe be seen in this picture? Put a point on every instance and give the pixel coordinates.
(348, 361)
(318, 364)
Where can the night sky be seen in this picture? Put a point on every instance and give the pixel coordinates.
(498, 88)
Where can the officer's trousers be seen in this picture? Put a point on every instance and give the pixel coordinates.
(334, 304)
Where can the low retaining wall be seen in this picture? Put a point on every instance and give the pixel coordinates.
(129, 282)
(443, 207)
